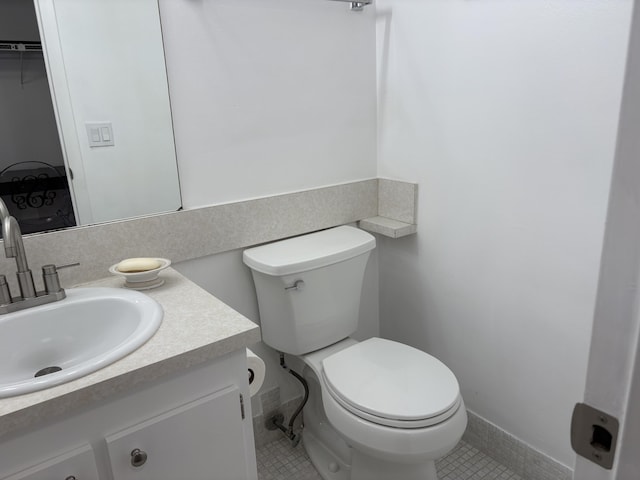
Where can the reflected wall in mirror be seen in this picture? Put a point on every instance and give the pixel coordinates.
(33, 181)
(108, 83)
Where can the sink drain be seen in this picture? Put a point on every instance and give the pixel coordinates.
(47, 371)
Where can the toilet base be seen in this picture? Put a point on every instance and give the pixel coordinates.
(328, 452)
(328, 465)
(364, 467)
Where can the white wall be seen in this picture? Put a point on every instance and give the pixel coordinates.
(26, 111)
(506, 115)
(269, 96)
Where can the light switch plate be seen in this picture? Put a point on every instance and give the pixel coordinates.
(100, 134)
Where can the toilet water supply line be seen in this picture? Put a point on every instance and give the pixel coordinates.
(278, 420)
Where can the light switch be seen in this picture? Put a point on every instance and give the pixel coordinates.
(100, 134)
(106, 134)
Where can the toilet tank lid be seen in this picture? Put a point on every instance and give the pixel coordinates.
(307, 252)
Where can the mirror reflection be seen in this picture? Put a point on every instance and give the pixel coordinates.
(85, 124)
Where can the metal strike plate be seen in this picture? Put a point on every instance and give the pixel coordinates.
(594, 435)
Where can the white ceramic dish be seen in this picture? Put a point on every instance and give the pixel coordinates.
(142, 280)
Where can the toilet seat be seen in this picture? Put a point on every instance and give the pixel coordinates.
(391, 384)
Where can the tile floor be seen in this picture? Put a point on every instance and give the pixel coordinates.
(278, 461)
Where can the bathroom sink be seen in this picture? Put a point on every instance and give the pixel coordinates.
(55, 343)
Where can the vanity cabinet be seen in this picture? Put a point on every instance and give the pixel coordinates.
(189, 426)
(78, 464)
(183, 443)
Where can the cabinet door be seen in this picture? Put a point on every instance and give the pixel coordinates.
(78, 464)
(202, 440)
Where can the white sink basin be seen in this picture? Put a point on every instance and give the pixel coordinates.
(88, 330)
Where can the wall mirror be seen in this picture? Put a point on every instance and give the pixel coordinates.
(87, 135)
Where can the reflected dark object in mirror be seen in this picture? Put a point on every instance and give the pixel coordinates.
(37, 195)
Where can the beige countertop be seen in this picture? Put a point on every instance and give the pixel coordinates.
(196, 327)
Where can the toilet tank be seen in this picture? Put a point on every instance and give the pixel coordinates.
(309, 287)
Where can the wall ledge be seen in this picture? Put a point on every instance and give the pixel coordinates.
(388, 227)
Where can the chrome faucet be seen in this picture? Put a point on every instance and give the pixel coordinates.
(14, 248)
(4, 211)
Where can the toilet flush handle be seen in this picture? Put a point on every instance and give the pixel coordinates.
(297, 285)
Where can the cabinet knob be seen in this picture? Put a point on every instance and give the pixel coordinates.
(71, 477)
(138, 457)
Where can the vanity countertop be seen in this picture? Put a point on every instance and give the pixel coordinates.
(196, 327)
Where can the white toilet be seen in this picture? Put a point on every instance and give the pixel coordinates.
(378, 409)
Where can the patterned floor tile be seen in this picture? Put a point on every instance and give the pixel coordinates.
(279, 461)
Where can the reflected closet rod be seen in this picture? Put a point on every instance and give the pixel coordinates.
(21, 48)
(356, 6)
(13, 46)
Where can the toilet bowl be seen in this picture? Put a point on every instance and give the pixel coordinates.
(378, 409)
(378, 396)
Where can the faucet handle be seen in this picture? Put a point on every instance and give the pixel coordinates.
(5, 294)
(50, 276)
(59, 267)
